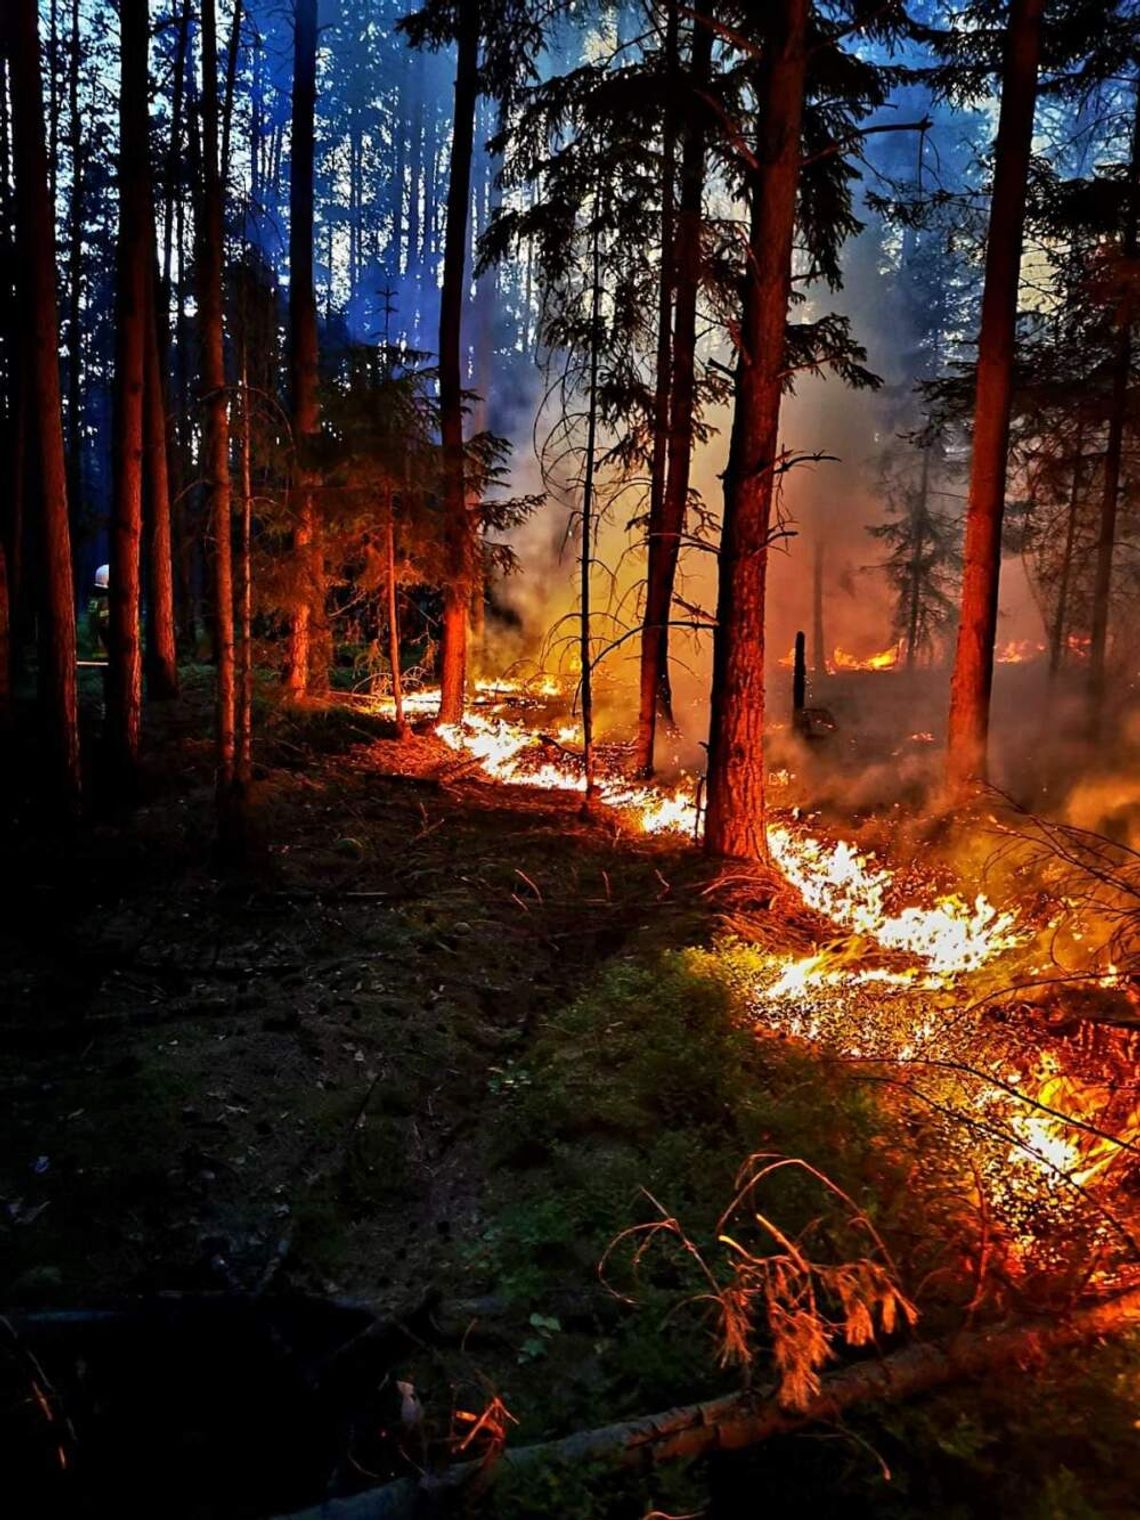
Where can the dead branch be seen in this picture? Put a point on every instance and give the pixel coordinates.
(745, 1419)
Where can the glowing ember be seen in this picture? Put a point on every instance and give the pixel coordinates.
(1018, 652)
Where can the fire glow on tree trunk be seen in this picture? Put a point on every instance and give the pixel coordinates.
(456, 528)
(216, 448)
(1114, 450)
(735, 824)
(124, 668)
(307, 638)
(974, 659)
(664, 546)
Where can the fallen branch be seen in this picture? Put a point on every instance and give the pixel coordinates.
(745, 1419)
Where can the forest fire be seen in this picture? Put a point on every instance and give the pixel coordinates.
(1019, 652)
(885, 659)
(426, 430)
(892, 996)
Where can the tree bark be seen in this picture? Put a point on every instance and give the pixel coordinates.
(972, 680)
(456, 529)
(587, 561)
(394, 620)
(735, 823)
(655, 695)
(216, 446)
(75, 233)
(914, 610)
(161, 654)
(1114, 449)
(243, 746)
(35, 247)
(124, 655)
(1060, 613)
(307, 642)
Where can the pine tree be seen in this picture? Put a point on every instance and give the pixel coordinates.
(34, 245)
(735, 820)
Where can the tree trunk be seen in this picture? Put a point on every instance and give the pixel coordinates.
(584, 643)
(75, 233)
(1060, 613)
(161, 655)
(740, 1420)
(457, 532)
(735, 824)
(124, 668)
(35, 246)
(974, 660)
(394, 621)
(307, 643)
(232, 53)
(655, 696)
(918, 529)
(243, 746)
(1122, 374)
(189, 538)
(5, 646)
(172, 216)
(216, 443)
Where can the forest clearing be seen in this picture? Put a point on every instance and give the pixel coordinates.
(568, 709)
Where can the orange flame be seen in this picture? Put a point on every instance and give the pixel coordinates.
(886, 659)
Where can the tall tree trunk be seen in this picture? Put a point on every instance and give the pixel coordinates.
(216, 443)
(35, 245)
(172, 220)
(124, 669)
(1061, 611)
(306, 626)
(75, 234)
(735, 823)
(456, 527)
(232, 54)
(1114, 449)
(972, 680)
(5, 646)
(918, 530)
(243, 749)
(161, 654)
(585, 646)
(655, 696)
(394, 620)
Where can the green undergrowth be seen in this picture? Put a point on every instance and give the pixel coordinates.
(643, 1099)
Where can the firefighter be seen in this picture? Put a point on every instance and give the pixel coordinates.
(98, 607)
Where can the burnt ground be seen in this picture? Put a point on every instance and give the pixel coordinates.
(373, 1108)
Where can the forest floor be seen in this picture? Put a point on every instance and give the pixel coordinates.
(417, 1063)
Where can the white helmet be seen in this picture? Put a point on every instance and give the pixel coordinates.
(102, 577)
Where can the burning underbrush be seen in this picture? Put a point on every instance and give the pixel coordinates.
(921, 990)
